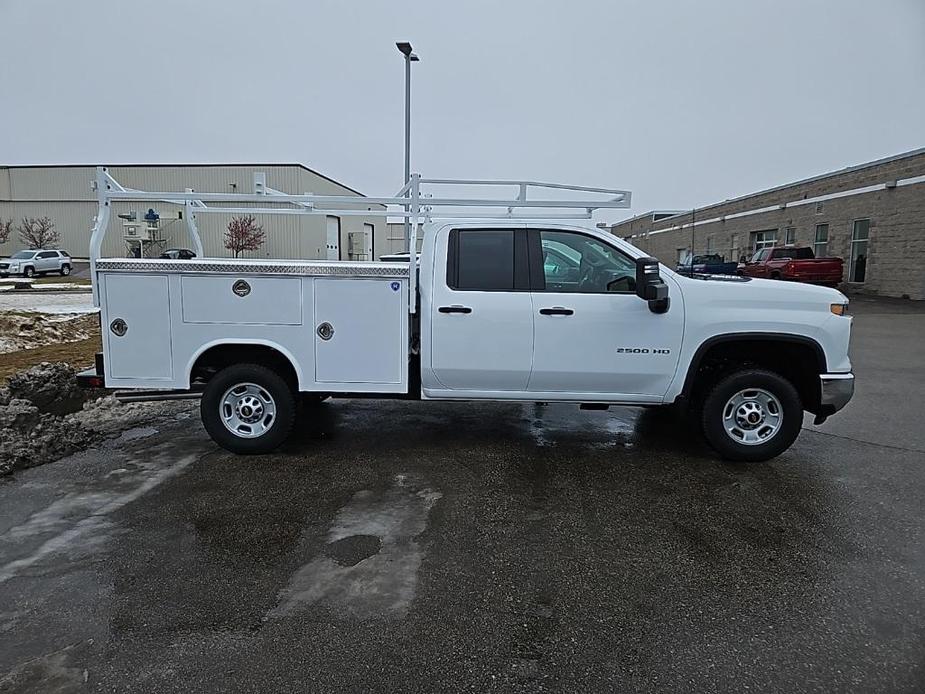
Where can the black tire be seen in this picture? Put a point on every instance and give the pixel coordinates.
(712, 415)
(775, 275)
(28, 272)
(283, 398)
(65, 270)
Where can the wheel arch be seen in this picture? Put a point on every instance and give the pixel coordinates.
(223, 352)
(775, 351)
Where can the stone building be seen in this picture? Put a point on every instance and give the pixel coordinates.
(871, 215)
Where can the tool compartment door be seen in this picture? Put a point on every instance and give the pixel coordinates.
(360, 333)
(142, 350)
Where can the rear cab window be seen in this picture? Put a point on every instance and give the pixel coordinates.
(487, 260)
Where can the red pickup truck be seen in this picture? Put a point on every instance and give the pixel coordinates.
(797, 264)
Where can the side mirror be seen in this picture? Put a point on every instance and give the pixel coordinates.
(650, 286)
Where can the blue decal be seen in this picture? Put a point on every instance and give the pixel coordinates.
(395, 286)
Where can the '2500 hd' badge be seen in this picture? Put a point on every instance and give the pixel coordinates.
(641, 350)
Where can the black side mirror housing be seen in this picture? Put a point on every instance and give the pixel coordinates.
(650, 286)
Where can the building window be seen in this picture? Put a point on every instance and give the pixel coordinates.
(763, 239)
(820, 207)
(682, 255)
(790, 236)
(821, 242)
(857, 270)
(710, 244)
(734, 248)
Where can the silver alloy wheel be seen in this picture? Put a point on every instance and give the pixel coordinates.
(752, 416)
(248, 410)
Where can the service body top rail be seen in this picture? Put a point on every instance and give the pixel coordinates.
(251, 266)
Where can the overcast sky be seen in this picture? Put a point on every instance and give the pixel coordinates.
(684, 103)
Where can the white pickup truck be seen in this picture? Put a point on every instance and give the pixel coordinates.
(507, 308)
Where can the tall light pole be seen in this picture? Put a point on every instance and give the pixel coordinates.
(410, 57)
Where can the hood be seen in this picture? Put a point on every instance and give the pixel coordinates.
(761, 291)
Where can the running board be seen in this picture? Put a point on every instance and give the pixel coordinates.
(153, 395)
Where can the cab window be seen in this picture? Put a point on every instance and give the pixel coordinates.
(487, 260)
(575, 262)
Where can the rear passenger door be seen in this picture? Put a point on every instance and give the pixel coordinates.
(481, 314)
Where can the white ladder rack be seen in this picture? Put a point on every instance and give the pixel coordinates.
(408, 202)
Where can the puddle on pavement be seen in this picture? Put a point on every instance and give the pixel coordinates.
(136, 433)
(549, 423)
(369, 567)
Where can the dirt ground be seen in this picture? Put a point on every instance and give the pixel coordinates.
(78, 354)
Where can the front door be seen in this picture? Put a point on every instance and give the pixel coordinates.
(592, 334)
(482, 316)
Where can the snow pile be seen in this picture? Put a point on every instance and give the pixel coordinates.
(26, 329)
(30, 437)
(52, 388)
(44, 416)
(108, 417)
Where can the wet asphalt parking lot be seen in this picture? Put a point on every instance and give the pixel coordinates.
(397, 546)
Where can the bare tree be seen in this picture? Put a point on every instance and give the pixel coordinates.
(38, 232)
(6, 228)
(244, 234)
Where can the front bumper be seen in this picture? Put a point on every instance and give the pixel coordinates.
(835, 392)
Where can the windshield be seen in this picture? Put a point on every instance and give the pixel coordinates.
(22, 255)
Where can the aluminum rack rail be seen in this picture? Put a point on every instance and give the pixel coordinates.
(408, 202)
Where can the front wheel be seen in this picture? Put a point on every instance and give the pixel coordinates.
(248, 408)
(28, 272)
(752, 415)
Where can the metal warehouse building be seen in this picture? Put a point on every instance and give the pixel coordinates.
(871, 215)
(63, 193)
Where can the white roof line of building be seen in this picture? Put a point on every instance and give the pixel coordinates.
(795, 203)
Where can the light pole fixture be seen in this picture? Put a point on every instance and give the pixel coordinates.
(405, 48)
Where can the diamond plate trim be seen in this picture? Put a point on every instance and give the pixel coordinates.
(338, 269)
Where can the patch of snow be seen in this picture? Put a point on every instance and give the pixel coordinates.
(78, 302)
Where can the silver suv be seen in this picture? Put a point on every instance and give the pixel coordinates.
(36, 262)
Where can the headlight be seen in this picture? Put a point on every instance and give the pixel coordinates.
(14, 266)
(839, 309)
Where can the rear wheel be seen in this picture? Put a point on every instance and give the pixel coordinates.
(65, 270)
(248, 408)
(752, 415)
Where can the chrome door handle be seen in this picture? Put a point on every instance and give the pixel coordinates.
(556, 311)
